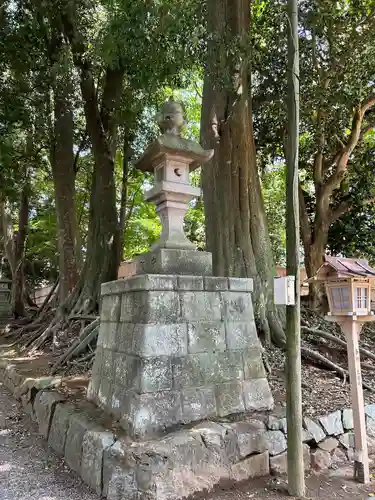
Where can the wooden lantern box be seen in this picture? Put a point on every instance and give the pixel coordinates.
(348, 285)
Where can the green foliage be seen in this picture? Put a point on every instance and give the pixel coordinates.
(336, 63)
(273, 188)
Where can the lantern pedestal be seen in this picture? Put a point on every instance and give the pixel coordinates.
(351, 327)
(5, 305)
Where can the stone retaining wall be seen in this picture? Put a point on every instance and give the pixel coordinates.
(183, 462)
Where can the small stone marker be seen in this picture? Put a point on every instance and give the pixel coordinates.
(5, 306)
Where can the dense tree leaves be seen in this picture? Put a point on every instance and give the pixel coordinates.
(337, 106)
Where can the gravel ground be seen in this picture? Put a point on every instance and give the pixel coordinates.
(28, 469)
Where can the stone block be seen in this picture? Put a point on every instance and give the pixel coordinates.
(44, 407)
(108, 335)
(104, 397)
(282, 425)
(93, 388)
(154, 282)
(257, 395)
(96, 370)
(206, 336)
(370, 411)
(320, 460)
(155, 374)
(250, 437)
(215, 283)
(273, 423)
(314, 429)
(370, 427)
(35, 385)
(107, 363)
(347, 440)
(238, 306)
(200, 306)
(182, 449)
(329, 444)
(122, 484)
(347, 419)
(275, 442)
(220, 440)
(254, 466)
(332, 423)
(127, 371)
(59, 427)
(125, 338)
(93, 446)
(175, 261)
(229, 398)
(307, 437)
(212, 433)
(190, 283)
(110, 308)
(150, 307)
(198, 403)
(370, 445)
(119, 476)
(207, 368)
(241, 335)
(149, 414)
(12, 378)
(116, 287)
(241, 284)
(160, 339)
(78, 425)
(118, 401)
(279, 463)
(253, 363)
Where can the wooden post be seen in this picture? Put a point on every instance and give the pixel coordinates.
(296, 471)
(351, 329)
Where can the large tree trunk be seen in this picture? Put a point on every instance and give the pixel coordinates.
(64, 180)
(102, 258)
(236, 224)
(14, 249)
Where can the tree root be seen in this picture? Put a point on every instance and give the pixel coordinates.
(308, 353)
(87, 335)
(337, 340)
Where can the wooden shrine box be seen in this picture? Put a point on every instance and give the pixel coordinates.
(348, 285)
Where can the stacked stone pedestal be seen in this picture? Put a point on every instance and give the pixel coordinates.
(177, 349)
(5, 306)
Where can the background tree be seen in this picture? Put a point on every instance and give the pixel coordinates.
(336, 112)
(236, 224)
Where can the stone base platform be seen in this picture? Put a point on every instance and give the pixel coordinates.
(177, 349)
(181, 463)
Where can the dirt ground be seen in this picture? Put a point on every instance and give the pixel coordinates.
(337, 484)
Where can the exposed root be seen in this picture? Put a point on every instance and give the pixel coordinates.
(336, 340)
(308, 353)
(88, 334)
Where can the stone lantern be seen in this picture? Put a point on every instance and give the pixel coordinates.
(348, 287)
(176, 345)
(5, 306)
(171, 158)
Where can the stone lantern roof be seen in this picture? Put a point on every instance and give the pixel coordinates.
(171, 120)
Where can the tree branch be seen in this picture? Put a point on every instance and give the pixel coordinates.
(342, 157)
(341, 209)
(304, 219)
